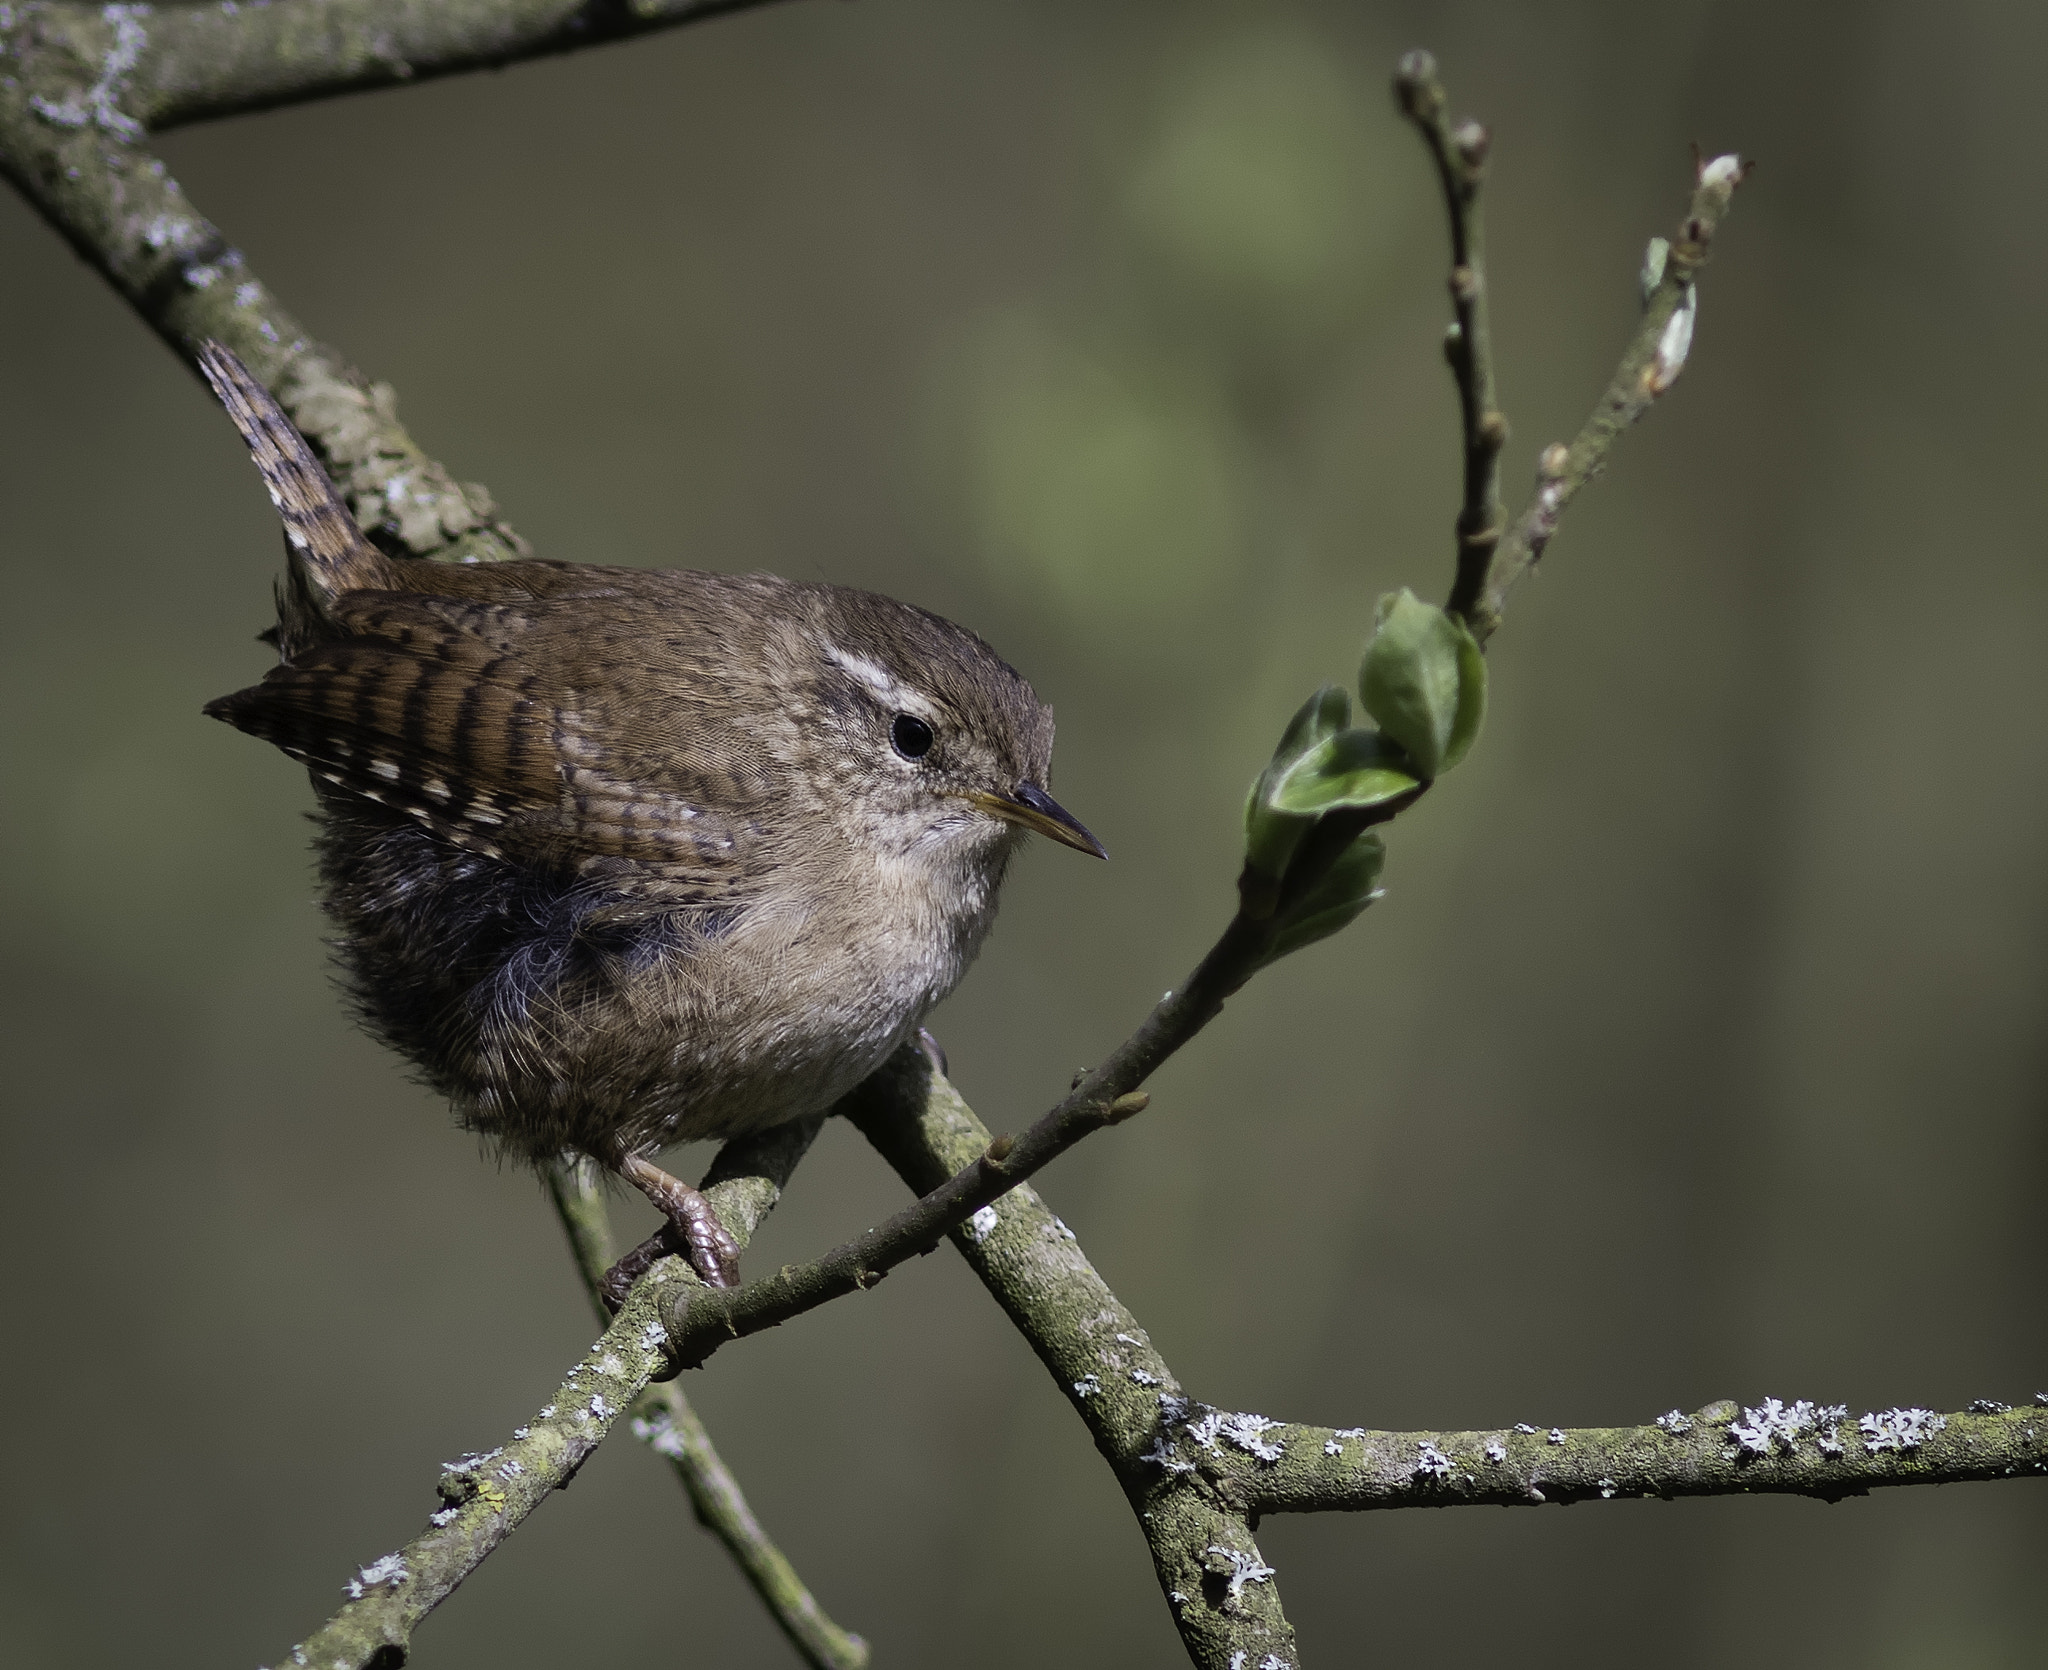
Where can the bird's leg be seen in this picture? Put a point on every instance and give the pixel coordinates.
(692, 1222)
(618, 1281)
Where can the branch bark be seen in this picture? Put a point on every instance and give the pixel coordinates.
(487, 1496)
(661, 1418)
(1460, 156)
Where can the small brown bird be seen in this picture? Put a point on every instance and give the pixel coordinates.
(624, 857)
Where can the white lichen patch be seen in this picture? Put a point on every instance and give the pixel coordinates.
(1554, 1436)
(1771, 1423)
(653, 1337)
(1495, 1451)
(982, 1225)
(1205, 1430)
(1248, 1433)
(1524, 1428)
(1240, 1568)
(1606, 1487)
(1142, 1377)
(1087, 1386)
(660, 1436)
(599, 1409)
(1431, 1462)
(99, 104)
(385, 1573)
(1676, 1422)
(1899, 1429)
(1162, 1455)
(1988, 1406)
(1058, 1231)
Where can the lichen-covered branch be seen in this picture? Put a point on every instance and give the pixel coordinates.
(1460, 156)
(1198, 1477)
(1776, 1448)
(1218, 1587)
(485, 1497)
(662, 1418)
(71, 146)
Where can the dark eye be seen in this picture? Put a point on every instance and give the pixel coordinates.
(912, 736)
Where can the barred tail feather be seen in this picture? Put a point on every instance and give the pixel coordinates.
(327, 551)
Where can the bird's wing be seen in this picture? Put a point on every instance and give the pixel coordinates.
(486, 717)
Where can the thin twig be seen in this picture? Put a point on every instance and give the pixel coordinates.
(662, 1418)
(702, 1319)
(1650, 364)
(1460, 156)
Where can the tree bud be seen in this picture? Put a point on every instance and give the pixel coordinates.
(1270, 834)
(1424, 679)
(1335, 901)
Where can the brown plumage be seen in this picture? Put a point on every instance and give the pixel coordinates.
(620, 857)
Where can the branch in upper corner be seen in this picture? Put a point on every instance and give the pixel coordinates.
(157, 68)
(1650, 364)
(662, 1418)
(1460, 156)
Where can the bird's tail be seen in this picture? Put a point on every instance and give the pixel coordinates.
(327, 551)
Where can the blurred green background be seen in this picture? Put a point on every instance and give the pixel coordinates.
(1697, 1050)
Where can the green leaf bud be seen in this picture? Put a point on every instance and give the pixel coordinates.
(1352, 770)
(1336, 901)
(1424, 679)
(1271, 835)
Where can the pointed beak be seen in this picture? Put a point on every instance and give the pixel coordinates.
(1031, 806)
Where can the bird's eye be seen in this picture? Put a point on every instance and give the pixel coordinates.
(911, 736)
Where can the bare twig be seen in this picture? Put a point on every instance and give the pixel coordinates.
(662, 1418)
(1650, 364)
(1460, 156)
(702, 1319)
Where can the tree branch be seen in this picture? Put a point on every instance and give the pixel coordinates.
(1219, 1589)
(165, 68)
(1460, 157)
(1650, 364)
(486, 1497)
(1773, 1449)
(662, 1418)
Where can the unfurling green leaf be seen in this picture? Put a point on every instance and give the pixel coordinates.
(1335, 901)
(1351, 771)
(1424, 680)
(1270, 834)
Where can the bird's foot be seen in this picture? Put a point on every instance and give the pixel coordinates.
(693, 1228)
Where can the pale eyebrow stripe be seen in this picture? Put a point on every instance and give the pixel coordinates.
(889, 690)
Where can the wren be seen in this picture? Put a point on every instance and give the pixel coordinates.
(624, 857)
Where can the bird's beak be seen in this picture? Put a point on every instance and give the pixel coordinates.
(1031, 806)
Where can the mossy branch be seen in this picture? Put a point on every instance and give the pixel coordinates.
(661, 1416)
